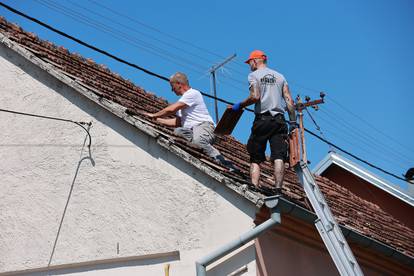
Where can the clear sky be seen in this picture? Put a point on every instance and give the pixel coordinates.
(360, 53)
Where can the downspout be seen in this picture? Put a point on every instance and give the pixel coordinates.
(271, 203)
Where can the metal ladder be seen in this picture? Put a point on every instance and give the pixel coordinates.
(326, 224)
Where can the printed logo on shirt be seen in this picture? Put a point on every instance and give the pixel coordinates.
(268, 79)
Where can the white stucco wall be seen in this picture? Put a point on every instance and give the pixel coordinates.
(131, 198)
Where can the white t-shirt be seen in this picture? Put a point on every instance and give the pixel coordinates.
(196, 112)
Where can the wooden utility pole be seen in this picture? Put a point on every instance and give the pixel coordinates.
(295, 150)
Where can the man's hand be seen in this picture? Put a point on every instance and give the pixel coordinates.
(151, 115)
(292, 126)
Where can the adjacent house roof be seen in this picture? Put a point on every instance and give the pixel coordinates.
(127, 101)
(335, 159)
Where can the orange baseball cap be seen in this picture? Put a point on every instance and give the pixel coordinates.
(256, 54)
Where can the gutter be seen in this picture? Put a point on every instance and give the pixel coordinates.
(271, 203)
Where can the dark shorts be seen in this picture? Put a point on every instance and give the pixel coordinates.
(268, 128)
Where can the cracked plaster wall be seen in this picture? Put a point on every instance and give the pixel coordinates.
(132, 198)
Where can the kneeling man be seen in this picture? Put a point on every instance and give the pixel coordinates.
(192, 119)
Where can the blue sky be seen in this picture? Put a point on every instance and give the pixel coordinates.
(360, 53)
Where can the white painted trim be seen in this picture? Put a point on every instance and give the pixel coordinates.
(334, 158)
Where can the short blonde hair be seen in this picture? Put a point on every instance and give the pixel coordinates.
(180, 78)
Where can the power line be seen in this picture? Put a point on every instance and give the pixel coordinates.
(136, 31)
(319, 129)
(81, 124)
(123, 15)
(128, 38)
(163, 33)
(367, 150)
(166, 79)
(354, 156)
(100, 50)
(329, 98)
(365, 138)
(82, 43)
(370, 125)
(131, 40)
(333, 119)
(155, 29)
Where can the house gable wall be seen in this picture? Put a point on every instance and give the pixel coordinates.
(126, 197)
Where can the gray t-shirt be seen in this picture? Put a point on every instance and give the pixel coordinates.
(270, 84)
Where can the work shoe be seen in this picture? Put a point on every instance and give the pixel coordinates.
(226, 163)
(261, 189)
(269, 191)
(277, 191)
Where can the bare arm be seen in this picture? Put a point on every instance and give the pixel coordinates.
(254, 96)
(289, 103)
(171, 122)
(169, 110)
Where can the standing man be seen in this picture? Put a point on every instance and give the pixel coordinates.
(270, 93)
(191, 118)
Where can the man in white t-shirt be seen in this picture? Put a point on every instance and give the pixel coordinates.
(192, 120)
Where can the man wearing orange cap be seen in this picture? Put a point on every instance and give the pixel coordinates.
(270, 93)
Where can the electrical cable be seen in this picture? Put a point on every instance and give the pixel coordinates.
(166, 79)
(332, 119)
(155, 29)
(82, 43)
(81, 124)
(350, 142)
(165, 34)
(117, 32)
(314, 122)
(370, 125)
(114, 32)
(319, 129)
(102, 51)
(354, 156)
(131, 40)
(139, 32)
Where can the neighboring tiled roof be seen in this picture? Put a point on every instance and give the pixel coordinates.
(351, 211)
(333, 158)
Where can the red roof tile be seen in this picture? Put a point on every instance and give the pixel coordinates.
(350, 210)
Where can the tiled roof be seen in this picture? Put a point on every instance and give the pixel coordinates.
(351, 211)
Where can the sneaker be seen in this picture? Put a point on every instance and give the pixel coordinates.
(226, 163)
(278, 191)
